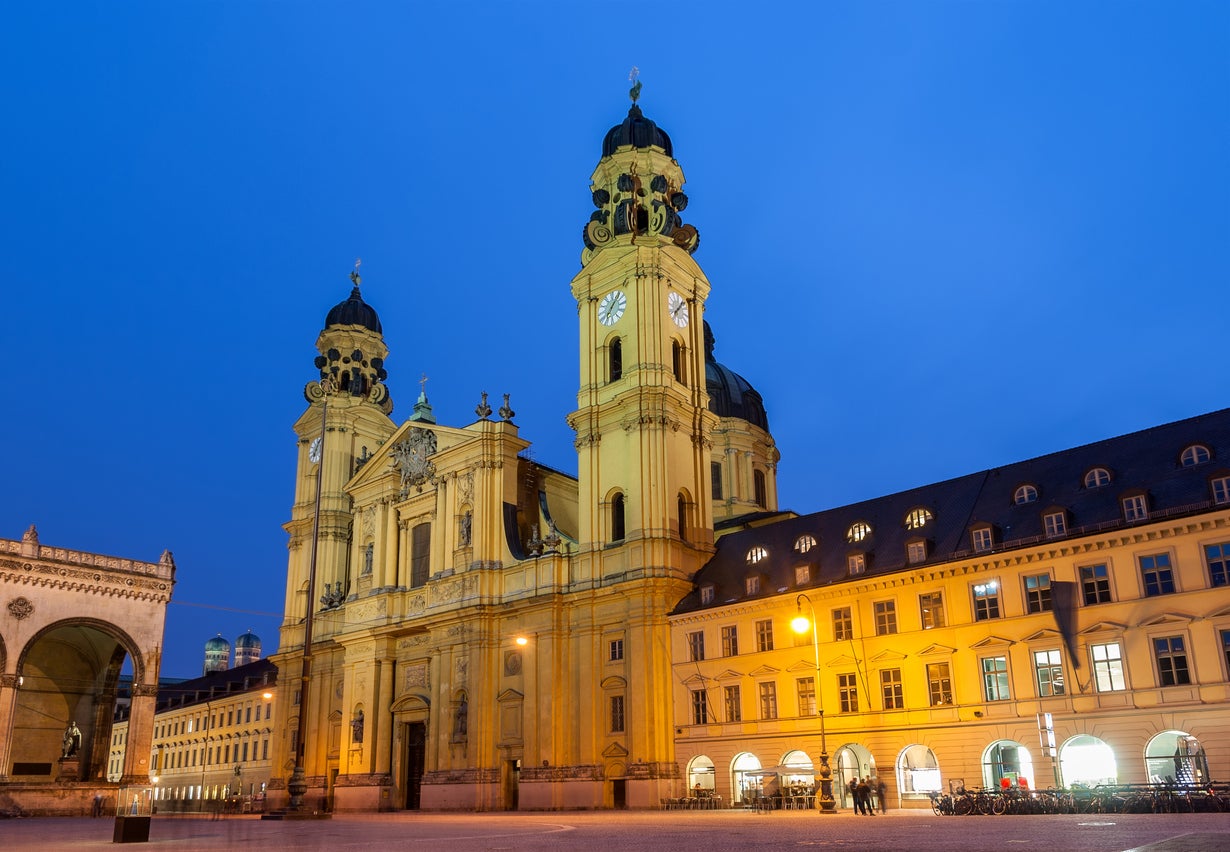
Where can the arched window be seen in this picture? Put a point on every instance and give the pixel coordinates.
(858, 531)
(420, 555)
(1088, 761)
(804, 543)
(617, 518)
(682, 510)
(762, 492)
(757, 554)
(1097, 477)
(677, 361)
(918, 772)
(1025, 494)
(1194, 455)
(918, 518)
(1176, 757)
(1007, 759)
(615, 360)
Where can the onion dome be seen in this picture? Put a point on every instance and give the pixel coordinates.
(217, 644)
(217, 654)
(354, 311)
(248, 640)
(637, 131)
(731, 395)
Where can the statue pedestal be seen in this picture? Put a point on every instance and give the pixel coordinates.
(70, 769)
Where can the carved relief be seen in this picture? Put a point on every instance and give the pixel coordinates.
(20, 608)
(412, 459)
(415, 677)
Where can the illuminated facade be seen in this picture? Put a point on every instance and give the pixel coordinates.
(1092, 585)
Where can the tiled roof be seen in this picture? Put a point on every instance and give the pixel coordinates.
(1141, 463)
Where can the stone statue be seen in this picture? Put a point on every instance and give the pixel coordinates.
(356, 727)
(461, 722)
(71, 743)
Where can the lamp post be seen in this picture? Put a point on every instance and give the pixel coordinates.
(799, 624)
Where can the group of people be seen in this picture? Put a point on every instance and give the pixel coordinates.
(861, 791)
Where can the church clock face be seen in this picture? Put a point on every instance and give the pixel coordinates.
(612, 307)
(678, 310)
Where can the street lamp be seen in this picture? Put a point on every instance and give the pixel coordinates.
(800, 624)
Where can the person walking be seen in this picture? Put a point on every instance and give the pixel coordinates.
(862, 798)
(852, 789)
(882, 795)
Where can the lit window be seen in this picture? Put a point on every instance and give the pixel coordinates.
(768, 701)
(931, 609)
(734, 704)
(706, 595)
(983, 539)
(1171, 661)
(730, 641)
(764, 635)
(752, 585)
(1194, 455)
(986, 600)
(1217, 556)
(1048, 667)
(1097, 477)
(1135, 508)
(1054, 524)
(757, 554)
(1038, 593)
(1221, 490)
(856, 563)
(804, 543)
(847, 692)
(1025, 494)
(802, 575)
(995, 678)
(886, 617)
(1108, 667)
(917, 519)
(858, 532)
(915, 552)
(939, 683)
(1095, 584)
(1157, 575)
(842, 624)
(890, 686)
(696, 646)
(807, 696)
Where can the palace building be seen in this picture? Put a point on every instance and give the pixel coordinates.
(486, 632)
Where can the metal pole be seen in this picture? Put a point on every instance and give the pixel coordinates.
(827, 805)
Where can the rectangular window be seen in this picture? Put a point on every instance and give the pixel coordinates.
(247, 714)
(617, 714)
(245, 751)
(768, 700)
(752, 585)
(696, 646)
(856, 563)
(1171, 661)
(1054, 524)
(847, 692)
(1095, 584)
(706, 595)
(1221, 490)
(1048, 666)
(886, 617)
(715, 478)
(265, 750)
(807, 696)
(1157, 575)
(939, 683)
(1108, 667)
(764, 635)
(734, 704)
(1225, 648)
(420, 555)
(1217, 556)
(986, 600)
(995, 678)
(915, 552)
(758, 486)
(842, 629)
(1135, 508)
(802, 575)
(268, 709)
(890, 686)
(616, 650)
(700, 707)
(982, 539)
(1038, 593)
(730, 641)
(931, 608)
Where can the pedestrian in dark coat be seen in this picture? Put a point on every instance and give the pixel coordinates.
(862, 798)
(882, 795)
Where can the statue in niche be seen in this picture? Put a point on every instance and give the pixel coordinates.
(461, 719)
(71, 743)
(356, 727)
(368, 554)
(467, 521)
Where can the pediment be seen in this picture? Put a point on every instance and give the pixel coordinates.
(764, 671)
(335, 716)
(614, 682)
(993, 642)
(1167, 618)
(1048, 634)
(801, 666)
(843, 660)
(379, 473)
(1104, 627)
(412, 701)
(937, 650)
(888, 656)
(510, 695)
(696, 681)
(1219, 613)
(730, 674)
(614, 750)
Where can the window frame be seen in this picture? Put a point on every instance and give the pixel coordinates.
(618, 717)
(767, 692)
(885, 613)
(1219, 490)
(982, 539)
(805, 690)
(1194, 455)
(1097, 477)
(856, 563)
(700, 707)
(732, 698)
(1100, 584)
(696, 646)
(1108, 669)
(1025, 494)
(1218, 576)
(1135, 508)
(615, 650)
(1055, 524)
(1171, 662)
(847, 692)
(843, 624)
(931, 614)
(764, 635)
(1158, 576)
(986, 598)
(916, 551)
(891, 689)
(1038, 599)
(1055, 684)
(939, 684)
(996, 685)
(730, 640)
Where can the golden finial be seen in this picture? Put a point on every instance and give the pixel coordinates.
(354, 273)
(635, 91)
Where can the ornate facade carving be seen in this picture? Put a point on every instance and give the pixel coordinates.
(411, 458)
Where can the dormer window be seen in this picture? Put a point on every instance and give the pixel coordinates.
(1194, 455)
(1135, 508)
(802, 575)
(916, 551)
(983, 539)
(706, 595)
(858, 531)
(1097, 477)
(918, 518)
(856, 563)
(752, 584)
(757, 554)
(1221, 490)
(1055, 524)
(1025, 494)
(804, 543)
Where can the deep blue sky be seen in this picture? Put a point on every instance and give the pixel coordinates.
(942, 236)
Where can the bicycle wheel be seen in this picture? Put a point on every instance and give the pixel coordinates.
(963, 806)
(999, 804)
(936, 806)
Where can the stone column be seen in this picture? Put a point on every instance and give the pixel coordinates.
(382, 719)
(140, 734)
(8, 701)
